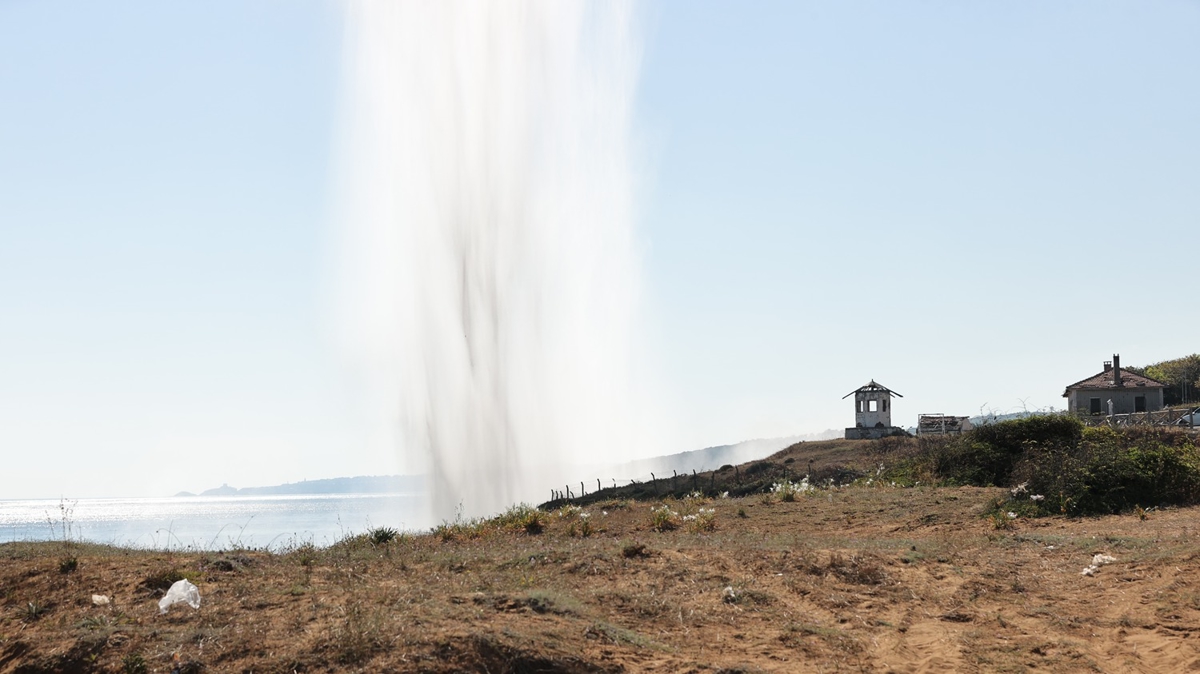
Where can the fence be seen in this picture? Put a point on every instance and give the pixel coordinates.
(1156, 418)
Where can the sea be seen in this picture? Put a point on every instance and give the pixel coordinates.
(211, 522)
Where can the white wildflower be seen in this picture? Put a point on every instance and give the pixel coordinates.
(1037, 497)
(1012, 515)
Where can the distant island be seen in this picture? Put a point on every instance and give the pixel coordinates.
(363, 484)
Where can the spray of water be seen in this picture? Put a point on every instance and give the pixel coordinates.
(488, 265)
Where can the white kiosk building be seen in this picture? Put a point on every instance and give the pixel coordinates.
(872, 412)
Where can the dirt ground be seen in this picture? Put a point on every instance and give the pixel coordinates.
(868, 578)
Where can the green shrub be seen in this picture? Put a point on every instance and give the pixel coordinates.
(1056, 466)
(1113, 471)
(162, 578)
(383, 535)
(522, 517)
(663, 518)
(1012, 437)
(704, 519)
(581, 526)
(134, 663)
(787, 490)
(988, 455)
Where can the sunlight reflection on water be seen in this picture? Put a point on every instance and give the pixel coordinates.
(210, 522)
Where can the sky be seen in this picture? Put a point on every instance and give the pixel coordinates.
(974, 204)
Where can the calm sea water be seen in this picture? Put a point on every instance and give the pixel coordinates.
(210, 522)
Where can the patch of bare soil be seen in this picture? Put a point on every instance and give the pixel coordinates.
(875, 579)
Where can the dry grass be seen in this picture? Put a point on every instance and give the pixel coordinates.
(861, 579)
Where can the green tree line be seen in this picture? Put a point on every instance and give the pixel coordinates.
(1181, 375)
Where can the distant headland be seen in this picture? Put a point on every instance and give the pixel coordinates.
(363, 484)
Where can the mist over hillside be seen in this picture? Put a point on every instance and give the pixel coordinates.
(707, 458)
(683, 462)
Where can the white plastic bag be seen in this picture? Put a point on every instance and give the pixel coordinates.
(181, 591)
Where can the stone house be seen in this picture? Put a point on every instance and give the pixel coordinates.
(1114, 391)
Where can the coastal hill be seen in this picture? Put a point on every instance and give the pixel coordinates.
(873, 569)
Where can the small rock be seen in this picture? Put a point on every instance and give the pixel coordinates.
(100, 600)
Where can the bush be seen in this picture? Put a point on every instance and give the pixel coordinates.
(581, 526)
(1060, 467)
(1113, 471)
(787, 490)
(161, 579)
(663, 518)
(383, 535)
(988, 455)
(704, 519)
(522, 517)
(134, 663)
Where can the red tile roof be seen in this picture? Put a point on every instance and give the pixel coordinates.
(1104, 380)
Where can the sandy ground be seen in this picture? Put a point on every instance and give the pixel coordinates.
(874, 579)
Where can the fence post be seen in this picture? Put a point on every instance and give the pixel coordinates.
(694, 486)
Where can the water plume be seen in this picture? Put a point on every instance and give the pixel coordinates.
(489, 277)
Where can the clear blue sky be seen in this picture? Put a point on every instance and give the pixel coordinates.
(972, 203)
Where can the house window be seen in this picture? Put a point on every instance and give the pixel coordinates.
(858, 404)
(872, 406)
(884, 404)
(1095, 405)
(1139, 404)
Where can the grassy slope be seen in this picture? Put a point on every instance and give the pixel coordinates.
(862, 579)
(838, 459)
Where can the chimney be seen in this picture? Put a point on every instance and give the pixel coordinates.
(1117, 370)
(1108, 366)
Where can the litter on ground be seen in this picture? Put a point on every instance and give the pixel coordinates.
(1097, 561)
(181, 591)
